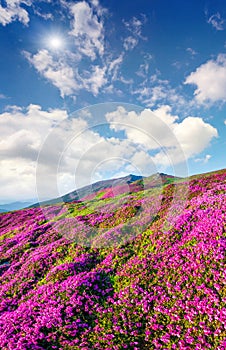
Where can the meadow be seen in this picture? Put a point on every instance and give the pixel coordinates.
(117, 270)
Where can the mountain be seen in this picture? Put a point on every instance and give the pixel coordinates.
(140, 265)
(124, 184)
(91, 189)
(14, 206)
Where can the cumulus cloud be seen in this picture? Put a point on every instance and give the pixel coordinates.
(26, 129)
(54, 151)
(216, 21)
(63, 74)
(60, 153)
(160, 130)
(194, 135)
(210, 79)
(95, 80)
(58, 72)
(14, 11)
(22, 132)
(88, 28)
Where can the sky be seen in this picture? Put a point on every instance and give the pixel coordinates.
(96, 89)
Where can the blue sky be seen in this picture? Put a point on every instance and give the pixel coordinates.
(60, 59)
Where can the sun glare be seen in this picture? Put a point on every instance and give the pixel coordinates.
(55, 42)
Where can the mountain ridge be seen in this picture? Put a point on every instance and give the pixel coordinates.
(101, 185)
(14, 206)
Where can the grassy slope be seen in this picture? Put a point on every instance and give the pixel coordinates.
(133, 275)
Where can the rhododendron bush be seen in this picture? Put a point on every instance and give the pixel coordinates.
(158, 289)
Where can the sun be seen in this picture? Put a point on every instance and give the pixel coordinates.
(55, 42)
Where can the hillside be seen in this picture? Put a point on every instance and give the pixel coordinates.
(129, 183)
(132, 266)
(91, 190)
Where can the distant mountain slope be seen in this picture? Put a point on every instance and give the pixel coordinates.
(90, 189)
(129, 183)
(14, 206)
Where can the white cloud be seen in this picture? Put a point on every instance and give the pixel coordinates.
(191, 51)
(144, 67)
(177, 64)
(164, 113)
(45, 16)
(64, 150)
(210, 79)
(158, 93)
(207, 158)
(126, 81)
(154, 91)
(78, 68)
(114, 66)
(216, 21)
(194, 135)
(70, 152)
(96, 80)
(17, 180)
(14, 11)
(88, 29)
(62, 74)
(147, 128)
(134, 26)
(31, 121)
(160, 129)
(58, 71)
(22, 132)
(203, 160)
(130, 43)
(111, 89)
